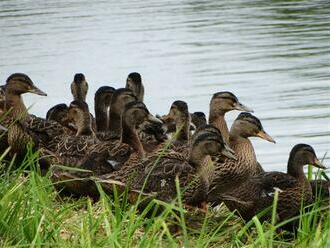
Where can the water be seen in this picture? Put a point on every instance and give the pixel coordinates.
(274, 55)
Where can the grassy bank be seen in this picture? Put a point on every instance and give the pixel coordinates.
(33, 214)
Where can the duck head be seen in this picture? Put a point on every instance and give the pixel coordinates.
(301, 155)
(179, 115)
(198, 119)
(225, 101)
(134, 114)
(79, 114)
(134, 83)
(208, 143)
(247, 125)
(19, 83)
(79, 87)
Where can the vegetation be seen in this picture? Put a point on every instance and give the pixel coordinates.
(34, 214)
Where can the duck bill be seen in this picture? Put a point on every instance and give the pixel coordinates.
(153, 119)
(37, 91)
(229, 153)
(317, 163)
(241, 107)
(263, 135)
(2, 128)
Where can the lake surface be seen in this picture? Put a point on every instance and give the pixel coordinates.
(274, 55)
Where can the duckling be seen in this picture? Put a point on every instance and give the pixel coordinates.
(102, 102)
(293, 187)
(230, 174)
(198, 119)
(160, 172)
(79, 87)
(220, 104)
(134, 83)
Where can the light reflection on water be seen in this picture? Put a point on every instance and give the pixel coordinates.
(274, 55)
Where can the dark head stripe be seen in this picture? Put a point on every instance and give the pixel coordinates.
(250, 118)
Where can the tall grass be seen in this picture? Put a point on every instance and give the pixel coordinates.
(34, 214)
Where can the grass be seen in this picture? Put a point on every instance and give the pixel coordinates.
(33, 214)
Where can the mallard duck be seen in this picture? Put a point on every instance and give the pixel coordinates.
(79, 87)
(16, 112)
(134, 83)
(160, 172)
(198, 119)
(179, 115)
(102, 102)
(230, 174)
(120, 98)
(293, 187)
(104, 157)
(59, 113)
(220, 104)
(85, 150)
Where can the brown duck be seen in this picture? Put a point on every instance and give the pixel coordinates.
(160, 172)
(79, 87)
(230, 174)
(220, 104)
(293, 187)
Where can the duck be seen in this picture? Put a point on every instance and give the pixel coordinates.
(134, 83)
(120, 98)
(102, 103)
(230, 174)
(179, 115)
(105, 157)
(85, 150)
(221, 103)
(79, 87)
(198, 119)
(294, 189)
(16, 114)
(59, 113)
(157, 174)
(151, 133)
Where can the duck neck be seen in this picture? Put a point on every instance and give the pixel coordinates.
(183, 127)
(79, 92)
(115, 123)
(218, 120)
(196, 157)
(295, 168)
(129, 136)
(14, 103)
(101, 116)
(245, 153)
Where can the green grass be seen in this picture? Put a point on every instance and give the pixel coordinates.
(33, 214)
